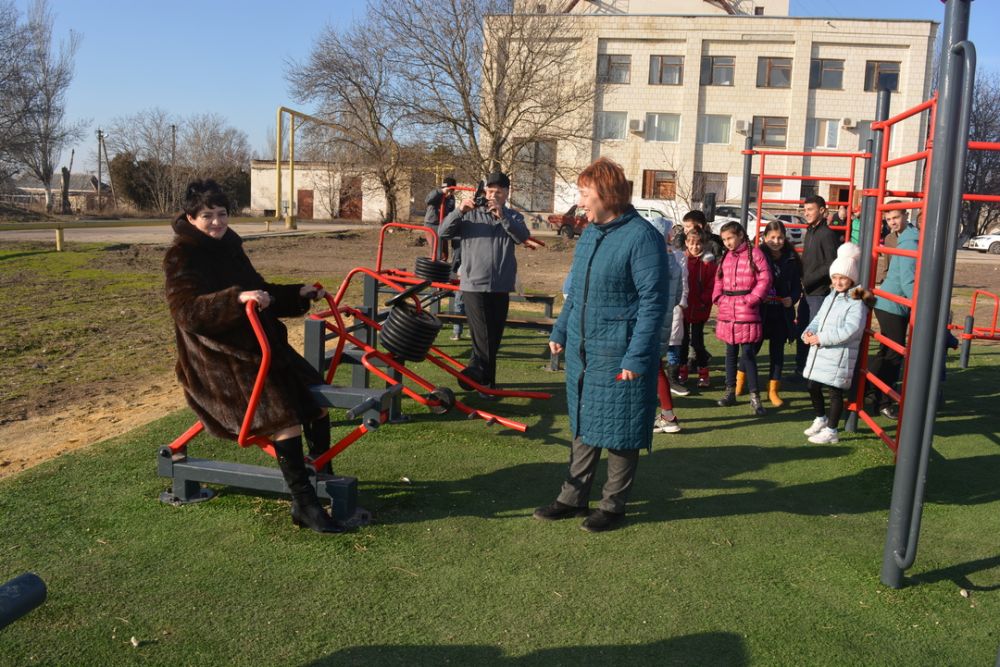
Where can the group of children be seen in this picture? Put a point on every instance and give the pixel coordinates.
(754, 290)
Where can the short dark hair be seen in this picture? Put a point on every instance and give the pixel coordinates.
(815, 199)
(449, 182)
(202, 194)
(696, 217)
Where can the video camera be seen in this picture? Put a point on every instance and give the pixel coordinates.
(479, 199)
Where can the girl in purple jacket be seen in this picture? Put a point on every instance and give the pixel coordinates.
(741, 283)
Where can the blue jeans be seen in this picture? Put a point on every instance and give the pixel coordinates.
(457, 308)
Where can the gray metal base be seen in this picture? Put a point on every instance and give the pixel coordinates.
(201, 495)
(188, 474)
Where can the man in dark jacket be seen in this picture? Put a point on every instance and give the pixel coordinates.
(819, 249)
(433, 216)
(488, 234)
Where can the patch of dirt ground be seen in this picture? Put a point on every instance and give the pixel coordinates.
(57, 415)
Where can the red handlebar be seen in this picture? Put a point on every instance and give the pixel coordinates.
(245, 438)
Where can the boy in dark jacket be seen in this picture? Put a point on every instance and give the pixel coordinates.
(819, 249)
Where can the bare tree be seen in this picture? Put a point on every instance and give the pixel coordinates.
(492, 81)
(349, 75)
(212, 147)
(14, 100)
(49, 72)
(982, 173)
(147, 138)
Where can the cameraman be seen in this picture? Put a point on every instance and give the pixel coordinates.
(488, 231)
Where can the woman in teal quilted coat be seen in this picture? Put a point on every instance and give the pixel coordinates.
(609, 328)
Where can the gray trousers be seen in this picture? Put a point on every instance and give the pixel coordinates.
(583, 461)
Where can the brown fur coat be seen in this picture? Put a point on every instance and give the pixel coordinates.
(218, 355)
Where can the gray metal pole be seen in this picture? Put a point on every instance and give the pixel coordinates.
(747, 175)
(963, 358)
(869, 203)
(926, 349)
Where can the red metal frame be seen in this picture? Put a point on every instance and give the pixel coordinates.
(980, 333)
(881, 193)
(245, 438)
(437, 357)
(763, 176)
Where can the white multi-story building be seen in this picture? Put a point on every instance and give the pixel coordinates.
(680, 83)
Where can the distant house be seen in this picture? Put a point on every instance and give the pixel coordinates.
(28, 191)
(323, 191)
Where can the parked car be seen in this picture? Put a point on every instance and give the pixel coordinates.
(795, 234)
(568, 224)
(730, 212)
(986, 243)
(650, 211)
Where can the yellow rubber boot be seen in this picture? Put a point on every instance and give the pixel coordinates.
(773, 387)
(741, 383)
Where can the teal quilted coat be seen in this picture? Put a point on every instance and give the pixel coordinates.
(611, 320)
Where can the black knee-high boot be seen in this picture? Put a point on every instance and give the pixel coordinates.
(317, 435)
(306, 509)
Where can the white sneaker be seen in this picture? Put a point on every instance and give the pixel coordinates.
(662, 425)
(818, 425)
(678, 389)
(825, 436)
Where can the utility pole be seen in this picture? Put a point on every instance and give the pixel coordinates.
(111, 178)
(173, 166)
(100, 142)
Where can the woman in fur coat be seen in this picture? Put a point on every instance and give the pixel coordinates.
(209, 280)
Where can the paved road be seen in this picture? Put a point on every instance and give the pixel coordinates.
(163, 235)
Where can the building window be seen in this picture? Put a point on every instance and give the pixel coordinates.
(613, 68)
(663, 126)
(770, 131)
(880, 75)
(666, 70)
(717, 70)
(826, 74)
(707, 181)
(758, 11)
(713, 129)
(772, 186)
(611, 125)
(774, 72)
(822, 132)
(659, 184)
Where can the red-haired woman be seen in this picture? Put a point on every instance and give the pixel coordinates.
(609, 328)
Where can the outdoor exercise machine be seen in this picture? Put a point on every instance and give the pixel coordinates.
(970, 332)
(187, 473)
(947, 114)
(407, 317)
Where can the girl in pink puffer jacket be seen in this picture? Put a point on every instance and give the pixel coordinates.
(741, 283)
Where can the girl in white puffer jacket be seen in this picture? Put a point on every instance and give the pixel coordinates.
(833, 337)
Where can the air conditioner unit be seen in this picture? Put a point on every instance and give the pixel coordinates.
(742, 126)
(637, 125)
(848, 123)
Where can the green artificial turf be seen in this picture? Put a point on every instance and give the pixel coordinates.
(744, 545)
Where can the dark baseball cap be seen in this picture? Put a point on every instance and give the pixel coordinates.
(498, 178)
